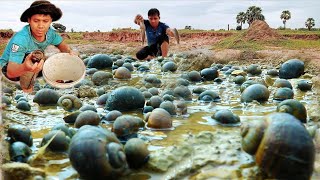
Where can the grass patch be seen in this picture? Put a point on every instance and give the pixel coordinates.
(75, 35)
(289, 31)
(237, 41)
(295, 44)
(2, 47)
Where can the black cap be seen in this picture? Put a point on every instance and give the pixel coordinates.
(41, 7)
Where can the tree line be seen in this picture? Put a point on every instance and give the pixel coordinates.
(255, 13)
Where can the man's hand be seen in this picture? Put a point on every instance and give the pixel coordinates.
(138, 19)
(173, 32)
(176, 35)
(74, 53)
(32, 67)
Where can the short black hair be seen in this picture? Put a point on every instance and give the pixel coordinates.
(153, 12)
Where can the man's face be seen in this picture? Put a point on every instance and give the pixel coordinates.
(39, 24)
(154, 20)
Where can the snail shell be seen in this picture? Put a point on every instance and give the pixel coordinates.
(46, 97)
(122, 73)
(87, 118)
(137, 152)
(159, 119)
(293, 107)
(282, 146)
(69, 102)
(18, 132)
(95, 153)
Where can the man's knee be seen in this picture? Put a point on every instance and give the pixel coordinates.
(143, 53)
(140, 55)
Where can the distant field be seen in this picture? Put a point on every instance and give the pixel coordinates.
(235, 41)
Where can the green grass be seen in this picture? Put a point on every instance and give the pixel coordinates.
(295, 44)
(289, 31)
(75, 35)
(2, 47)
(237, 41)
(77, 38)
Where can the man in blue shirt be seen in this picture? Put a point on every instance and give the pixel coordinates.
(37, 35)
(157, 35)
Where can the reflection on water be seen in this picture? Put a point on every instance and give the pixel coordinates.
(197, 119)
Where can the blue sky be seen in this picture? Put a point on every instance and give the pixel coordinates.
(105, 15)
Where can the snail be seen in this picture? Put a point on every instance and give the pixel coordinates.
(137, 153)
(19, 152)
(169, 66)
(209, 74)
(256, 92)
(282, 146)
(127, 126)
(96, 153)
(125, 98)
(87, 117)
(59, 143)
(159, 119)
(122, 73)
(22, 133)
(69, 102)
(46, 97)
(294, 107)
(169, 106)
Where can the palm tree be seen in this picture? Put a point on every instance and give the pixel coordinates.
(285, 15)
(254, 13)
(309, 23)
(241, 18)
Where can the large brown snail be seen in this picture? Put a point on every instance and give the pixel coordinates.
(282, 146)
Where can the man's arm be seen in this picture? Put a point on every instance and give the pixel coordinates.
(173, 32)
(65, 48)
(17, 70)
(139, 21)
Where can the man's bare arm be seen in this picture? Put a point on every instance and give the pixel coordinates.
(17, 70)
(64, 47)
(173, 32)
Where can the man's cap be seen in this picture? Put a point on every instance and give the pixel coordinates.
(41, 7)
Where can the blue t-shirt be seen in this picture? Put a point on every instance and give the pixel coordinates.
(153, 34)
(23, 43)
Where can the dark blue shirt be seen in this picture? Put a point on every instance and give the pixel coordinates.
(154, 34)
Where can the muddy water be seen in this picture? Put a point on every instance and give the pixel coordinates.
(197, 120)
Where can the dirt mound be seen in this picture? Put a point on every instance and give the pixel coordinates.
(6, 33)
(121, 36)
(260, 30)
(303, 36)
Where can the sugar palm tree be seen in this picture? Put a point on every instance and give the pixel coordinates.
(241, 18)
(285, 15)
(309, 23)
(254, 13)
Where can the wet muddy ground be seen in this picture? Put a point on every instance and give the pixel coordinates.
(197, 147)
